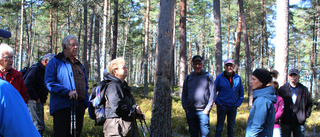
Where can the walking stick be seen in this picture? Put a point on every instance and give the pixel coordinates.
(144, 133)
(73, 129)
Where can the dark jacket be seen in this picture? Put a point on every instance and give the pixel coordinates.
(198, 92)
(120, 102)
(227, 95)
(34, 81)
(302, 108)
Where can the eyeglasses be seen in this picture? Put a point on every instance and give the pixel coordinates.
(8, 57)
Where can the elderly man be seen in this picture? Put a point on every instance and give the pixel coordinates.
(198, 95)
(66, 80)
(37, 91)
(9, 74)
(230, 96)
(297, 106)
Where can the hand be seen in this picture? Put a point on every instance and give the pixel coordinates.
(205, 111)
(37, 101)
(138, 110)
(73, 94)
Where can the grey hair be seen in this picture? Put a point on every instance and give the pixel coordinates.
(47, 56)
(5, 48)
(66, 39)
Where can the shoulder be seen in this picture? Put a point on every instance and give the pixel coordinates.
(16, 73)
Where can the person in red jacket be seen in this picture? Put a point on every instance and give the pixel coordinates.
(9, 74)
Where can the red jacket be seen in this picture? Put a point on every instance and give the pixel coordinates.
(14, 77)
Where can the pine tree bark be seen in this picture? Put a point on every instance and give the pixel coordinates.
(96, 48)
(115, 30)
(146, 50)
(282, 40)
(162, 101)
(217, 36)
(183, 44)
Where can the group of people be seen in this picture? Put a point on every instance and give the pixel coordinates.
(275, 112)
(65, 78)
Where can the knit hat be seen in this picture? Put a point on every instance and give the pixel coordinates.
(264, 77)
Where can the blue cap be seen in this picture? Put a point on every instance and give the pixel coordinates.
(5, 33)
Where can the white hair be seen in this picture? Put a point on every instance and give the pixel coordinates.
(5, 48)
(66, 39)
(48, 56)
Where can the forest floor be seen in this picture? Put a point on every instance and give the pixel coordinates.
(179, 122)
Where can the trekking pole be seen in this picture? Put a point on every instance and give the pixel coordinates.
(141, 117)
(144, 133)
(73, 129)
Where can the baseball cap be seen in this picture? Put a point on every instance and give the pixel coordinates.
(228, 61)
(294, 70)
(197, 57)
(5, 33)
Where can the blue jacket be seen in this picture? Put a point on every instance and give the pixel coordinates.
(198, 92)
(227, 95)
(15, 119)
(261, 118)
(60, 81)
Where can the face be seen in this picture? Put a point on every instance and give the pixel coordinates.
(255, 82)
(121, 72)
(294, 78)
(7, 60)
(71, 50)
(229, 68)
(197, 66)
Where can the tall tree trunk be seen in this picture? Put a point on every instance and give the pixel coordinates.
(51, 27)
(27, 61)
(96, 48)
(90, 32)
(313, 87)
(247, 49)
(183, 44)
(85, 35)
(146, 50)
(217, 36)
(115, 30)
(173, 51)
(21, 35)
(162, 101)
(104, 33)
(238, 43)
(282, 40)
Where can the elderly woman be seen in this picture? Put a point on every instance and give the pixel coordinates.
(121, 109)
(261, 118)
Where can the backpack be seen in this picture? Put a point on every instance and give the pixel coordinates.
(97, 103)
(26, 70)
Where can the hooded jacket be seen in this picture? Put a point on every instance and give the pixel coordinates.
(302, 108)
(261, 119)
(119, 100)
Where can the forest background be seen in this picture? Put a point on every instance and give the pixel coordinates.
(158, 38)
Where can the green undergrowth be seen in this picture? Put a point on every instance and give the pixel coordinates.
(178, 120)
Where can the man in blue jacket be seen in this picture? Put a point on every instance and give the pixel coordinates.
(66, 79)
(230, 96)
(197, 98)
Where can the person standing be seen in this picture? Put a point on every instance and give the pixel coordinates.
(9, 74)
(37, 91)
(66, 79)
(198, 95)
(261, 118)
(278, 110)
(230, 96)
(297, 106)
(120, 107)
